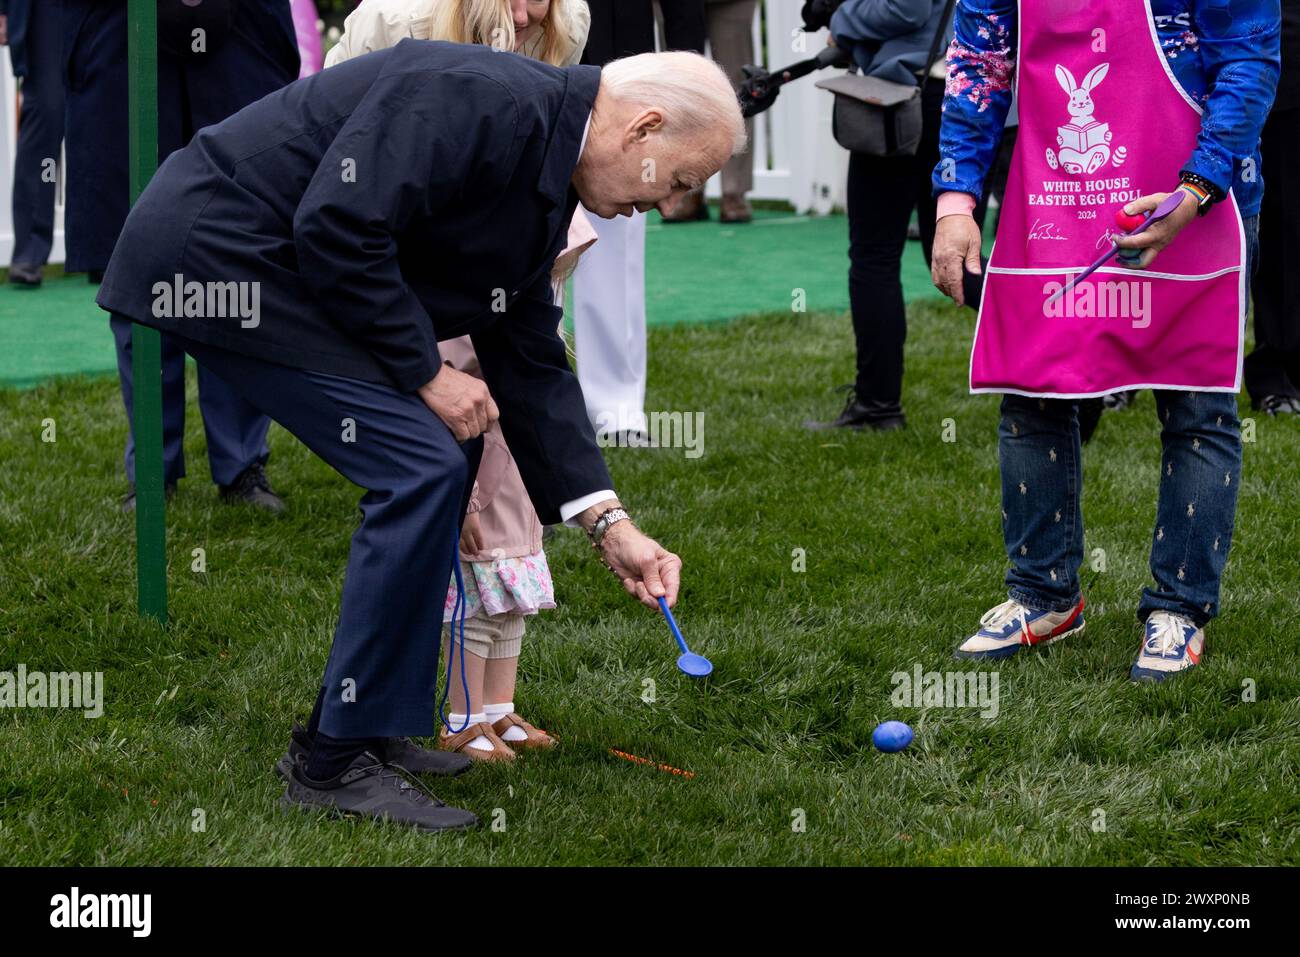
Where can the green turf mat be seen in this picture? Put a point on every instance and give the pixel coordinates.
(710, 271)
(54, 330)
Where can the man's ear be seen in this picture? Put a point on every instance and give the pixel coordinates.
(648, 121)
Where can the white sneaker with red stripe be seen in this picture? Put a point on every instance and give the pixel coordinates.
(1172, 644)
(1010, 626)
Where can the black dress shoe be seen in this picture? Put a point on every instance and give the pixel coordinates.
(400, 751)
(735, 209)
(690, 208)
(251, 486)
(1278, 405)
(94, 276)
(370, 788)
(23, 274)
(128, 502)
(877, 414)
(625, 439)
(1115, 401)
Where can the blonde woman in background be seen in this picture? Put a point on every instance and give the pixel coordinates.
(553, 31)
(503, 565)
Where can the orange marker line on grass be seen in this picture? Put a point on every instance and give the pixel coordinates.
(662, 767)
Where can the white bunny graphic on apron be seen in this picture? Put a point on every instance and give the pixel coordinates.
(1083, 143)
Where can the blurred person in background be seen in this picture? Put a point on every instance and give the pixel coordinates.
(31, 30)
(609, 285)
(730, 26)
(245, 50)
(553, 31)
(307, 28)
(1272, 369)
(890, 39)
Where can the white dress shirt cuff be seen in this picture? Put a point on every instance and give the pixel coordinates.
(570, 510)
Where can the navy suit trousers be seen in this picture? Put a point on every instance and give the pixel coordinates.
(40, 135)
(235, 430)
(381, 677)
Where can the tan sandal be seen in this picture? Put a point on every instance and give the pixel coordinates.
(536, 737)
(459, 742)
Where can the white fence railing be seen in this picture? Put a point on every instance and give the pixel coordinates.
(795, 157)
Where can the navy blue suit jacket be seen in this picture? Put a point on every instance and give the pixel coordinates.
(414, 194)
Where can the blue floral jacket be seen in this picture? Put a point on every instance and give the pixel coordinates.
(1224, 53)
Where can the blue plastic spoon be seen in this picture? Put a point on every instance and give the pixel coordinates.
(689, 663)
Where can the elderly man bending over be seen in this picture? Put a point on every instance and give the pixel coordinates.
(362, 215)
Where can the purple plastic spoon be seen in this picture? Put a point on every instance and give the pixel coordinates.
(1167, 206)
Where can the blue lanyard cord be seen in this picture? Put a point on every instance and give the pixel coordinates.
(457, 616)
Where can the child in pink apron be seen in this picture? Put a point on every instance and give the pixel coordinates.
(1105, 125)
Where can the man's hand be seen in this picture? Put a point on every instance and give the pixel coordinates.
(4, 30)
(956, 244)
(471, 535)
(1157, 237)
(461, 401)
(648, 570)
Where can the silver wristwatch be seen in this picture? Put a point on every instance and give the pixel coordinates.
(607, 518)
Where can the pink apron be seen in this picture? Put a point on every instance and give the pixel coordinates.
(1103, 121)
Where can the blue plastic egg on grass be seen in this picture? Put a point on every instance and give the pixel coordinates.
(891, 736)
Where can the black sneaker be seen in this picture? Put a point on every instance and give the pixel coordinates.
(400, 751)
(252, 487)
(1278, 405)
(370, 788)
(128, 501)
(875, 414)
(405, 753)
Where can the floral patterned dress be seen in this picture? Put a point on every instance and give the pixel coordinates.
(520, 586)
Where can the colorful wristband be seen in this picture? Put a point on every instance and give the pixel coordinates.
(1205, 192)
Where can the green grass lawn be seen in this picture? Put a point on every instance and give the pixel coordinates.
(903, 553)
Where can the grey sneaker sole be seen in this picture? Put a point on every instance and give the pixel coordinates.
(289, 804)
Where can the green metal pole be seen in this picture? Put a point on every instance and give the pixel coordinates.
(146, 344)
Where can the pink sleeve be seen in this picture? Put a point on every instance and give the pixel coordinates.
(459, 354)
(954, 203)
(492, 469)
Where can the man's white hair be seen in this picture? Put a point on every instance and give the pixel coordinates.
(692, 89)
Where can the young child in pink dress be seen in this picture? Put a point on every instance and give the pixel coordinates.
(505, 576)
